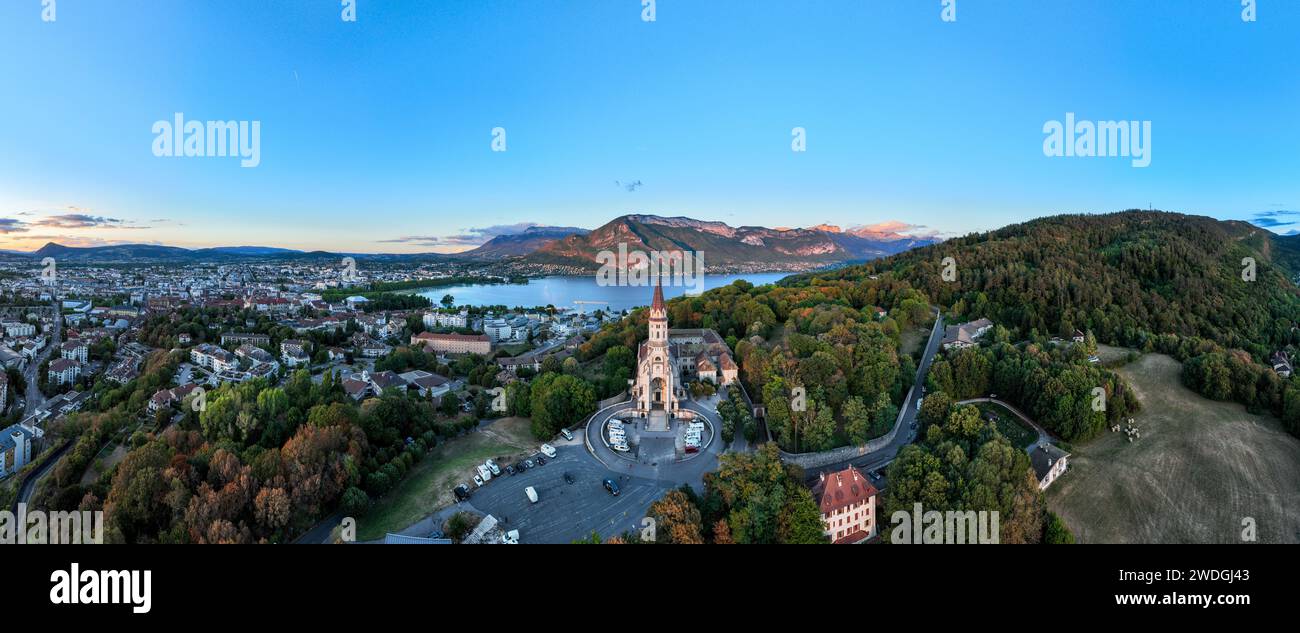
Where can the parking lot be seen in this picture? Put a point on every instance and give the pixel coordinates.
(564, 511)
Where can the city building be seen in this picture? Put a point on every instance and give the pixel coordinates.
(64, 371)
(211, 357)
(16, 447)
(75, 350)
(497, 330)
(453, 343)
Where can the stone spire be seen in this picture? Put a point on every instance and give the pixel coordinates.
(658, 304)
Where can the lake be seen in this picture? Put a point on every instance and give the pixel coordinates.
(562, 292)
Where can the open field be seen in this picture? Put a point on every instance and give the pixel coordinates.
(428, 486)
(1200, 468)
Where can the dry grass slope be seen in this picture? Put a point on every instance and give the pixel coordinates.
(1199, 469)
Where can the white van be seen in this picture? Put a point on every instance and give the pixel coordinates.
(532, 494)
(484, 473)
(492, 466)
(547, 450)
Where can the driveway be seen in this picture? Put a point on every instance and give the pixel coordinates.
(674, 473)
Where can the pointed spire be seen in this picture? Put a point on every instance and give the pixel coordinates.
(658, 304)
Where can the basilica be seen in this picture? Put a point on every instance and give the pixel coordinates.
(668, 359)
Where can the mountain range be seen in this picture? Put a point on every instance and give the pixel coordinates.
(723, 246)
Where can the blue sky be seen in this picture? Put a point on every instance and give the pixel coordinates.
(376, 134)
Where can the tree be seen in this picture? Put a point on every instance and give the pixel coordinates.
(934, 409)
(677, 520)
(355, 502)
(819, 428)
(857, 420)
(559, 401)
(448, 301)
(1055, 532)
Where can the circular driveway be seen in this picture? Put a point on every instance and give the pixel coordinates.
(676, 472)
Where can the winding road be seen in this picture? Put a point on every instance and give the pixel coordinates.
(905, 433)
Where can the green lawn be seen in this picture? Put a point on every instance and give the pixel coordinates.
(428, 486)
(1010, 426)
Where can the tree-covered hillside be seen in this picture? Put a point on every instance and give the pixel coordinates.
(1126, 276)
(1190, 286)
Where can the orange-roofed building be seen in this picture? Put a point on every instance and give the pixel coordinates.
(848, 505)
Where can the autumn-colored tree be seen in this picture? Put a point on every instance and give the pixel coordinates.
(722, 533)
(677, 520)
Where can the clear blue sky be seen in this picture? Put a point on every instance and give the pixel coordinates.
(380, 130)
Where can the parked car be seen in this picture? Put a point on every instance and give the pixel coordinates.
(568, 478)
(510, 470)
(547, 450)
(541, 461)
(532, 494)
(510, 538)
(567, 435)
(461, 492)
(611, 487)
(492, 466)
(527, 463)
(484, 473)
(478, 481)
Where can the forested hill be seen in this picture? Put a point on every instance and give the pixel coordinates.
(1125, 276)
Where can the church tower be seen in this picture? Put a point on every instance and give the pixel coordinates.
(658, 318)
(655, 388)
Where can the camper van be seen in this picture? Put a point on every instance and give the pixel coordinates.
(532, 494)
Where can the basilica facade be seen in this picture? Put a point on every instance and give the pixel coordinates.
(668, 357)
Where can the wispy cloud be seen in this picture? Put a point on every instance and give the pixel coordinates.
(83, 221)
(1275, 218)
(10, 225)
(467, 237)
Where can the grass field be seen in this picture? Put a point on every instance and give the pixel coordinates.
(1010, 426)
(428, 486)
(1200, 469)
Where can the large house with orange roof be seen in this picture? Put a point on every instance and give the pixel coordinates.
(848, 505)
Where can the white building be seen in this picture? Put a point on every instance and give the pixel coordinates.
(64, 371)
(16, 447)
(214, 358)
(444, 319)
(15, 329)
(497, 330)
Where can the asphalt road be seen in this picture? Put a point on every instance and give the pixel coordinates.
(564, 511)
(29, 484)
(34, 398)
